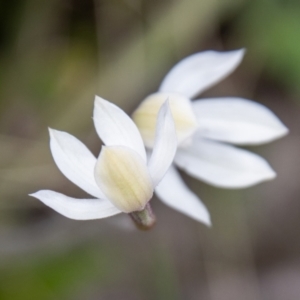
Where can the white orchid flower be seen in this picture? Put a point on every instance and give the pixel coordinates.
(203, 125)
(121, 179)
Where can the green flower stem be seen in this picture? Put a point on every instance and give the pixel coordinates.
(144, 219)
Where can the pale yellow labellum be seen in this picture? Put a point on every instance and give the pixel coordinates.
(124, 178)
(145, 116)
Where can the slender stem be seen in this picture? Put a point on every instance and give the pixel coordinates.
(144, 219)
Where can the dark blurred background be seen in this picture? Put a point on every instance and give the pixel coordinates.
(54, 57)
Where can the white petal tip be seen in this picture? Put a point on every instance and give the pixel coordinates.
(284, 131)
(241, 52)
(53, 132)
(35, 195)
(236, 55)
(267, 175)
(100, 101)
(280, 132)
(271, 175)
(206, 221)
(209, 225)
(202, 217)
(97, 98)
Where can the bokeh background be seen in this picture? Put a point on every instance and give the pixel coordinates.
(54, 57)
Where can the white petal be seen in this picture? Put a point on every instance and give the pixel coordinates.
(237, 120)
(115, 128)
(223, 165)
(77, 209)
(165, 145)
(124, 178)
(145, 116)
(200, 71)
(75, 161)
(174, 193)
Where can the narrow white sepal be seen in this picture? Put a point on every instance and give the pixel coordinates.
(75, 161)
(237, 120)
(223, 165)
(77, 209)
(165, 144)
(115, 128)
(200, 71)
(174, 193)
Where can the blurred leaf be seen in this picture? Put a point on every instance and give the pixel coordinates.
(270, 29)
(165, 281)
(56, 276)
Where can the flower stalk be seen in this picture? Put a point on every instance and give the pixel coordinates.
(144, 219)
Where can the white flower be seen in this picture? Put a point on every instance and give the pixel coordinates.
(203, 125)
(120, 179)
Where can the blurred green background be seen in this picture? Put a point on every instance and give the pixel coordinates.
(54, 57)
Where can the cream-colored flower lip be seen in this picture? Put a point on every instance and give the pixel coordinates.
(124, 178)
(146, 114)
